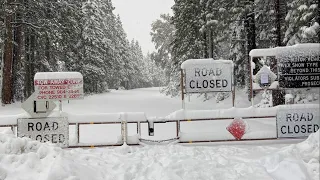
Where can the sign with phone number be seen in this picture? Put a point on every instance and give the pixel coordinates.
(58, 89)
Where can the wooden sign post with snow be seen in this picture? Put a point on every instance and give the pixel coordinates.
(206, 75)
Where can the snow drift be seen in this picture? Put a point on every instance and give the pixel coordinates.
(24, 159)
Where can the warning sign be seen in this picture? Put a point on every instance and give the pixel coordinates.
(55, 129)
(208, 75)
(58, 86)
(297, 122)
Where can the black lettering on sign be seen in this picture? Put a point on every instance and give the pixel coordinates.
(289, 132)
(282, 130)
(46, 138)
(199, 87)
(55, 125)
(296, 128)
(288, 117)
(54, 138)
(39, 138)
(310, 116)
(316, 128)
(212, 83)
(310, 128)
(38, 126)
(218, 85)
(192, 86)
(205, 84)
(196, 71)
(30, 126)
(204, 72)
(224, 83)
(61, 138)
(303, 128)
(295, 117)
(219, 72)
(46, 126)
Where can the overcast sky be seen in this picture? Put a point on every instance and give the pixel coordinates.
(137, 16)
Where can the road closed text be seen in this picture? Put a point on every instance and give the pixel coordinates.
(209, 79)
(294, 127)
(55, 130)
(298, 123)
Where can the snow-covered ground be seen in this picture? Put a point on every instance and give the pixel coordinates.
(23, 159)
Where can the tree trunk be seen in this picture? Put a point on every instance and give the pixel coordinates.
(8, 47)
(318, 19)
(205, 45)
(251, 41)
(277, 95)
(210, 44)
(19, 72)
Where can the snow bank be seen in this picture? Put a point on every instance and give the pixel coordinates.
(295, 162)
(24, 159)
(82, 118)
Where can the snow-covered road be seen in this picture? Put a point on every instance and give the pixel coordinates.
(23, 159)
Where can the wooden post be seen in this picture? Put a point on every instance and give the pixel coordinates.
(139, 128)
(251, 80)
(182, 91)
(234, 86)
(178, 127)
(78, 133)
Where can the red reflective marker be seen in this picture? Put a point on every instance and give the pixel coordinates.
(237, 128)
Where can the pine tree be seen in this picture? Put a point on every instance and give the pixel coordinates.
(302, 22)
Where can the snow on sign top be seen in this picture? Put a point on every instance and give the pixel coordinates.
(192, 62)
(314, 47)
(58, 75)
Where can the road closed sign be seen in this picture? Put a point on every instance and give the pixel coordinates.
(208, 75)
(297, 122)
(52, 129)
(58, 86)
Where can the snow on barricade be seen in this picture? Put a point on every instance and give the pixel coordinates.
(107, 117)
(222, 113)
(94, 118)
(296, 162)
(135, 116)
(8, 120)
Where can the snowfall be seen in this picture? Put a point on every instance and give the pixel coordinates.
(282, 159)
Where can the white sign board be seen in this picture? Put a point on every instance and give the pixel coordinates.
(58, 86)
(208, 75)
(38, 108)
(53, 129)
(297, 122)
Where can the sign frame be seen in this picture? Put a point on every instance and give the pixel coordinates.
(215, 64)
(296, 118)
(288, 75)
(42, 125)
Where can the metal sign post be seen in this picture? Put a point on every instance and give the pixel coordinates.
(182, 88)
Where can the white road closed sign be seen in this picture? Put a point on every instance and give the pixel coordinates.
(297, 122)
(53, 129)
(208, 75)
(58, 86)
